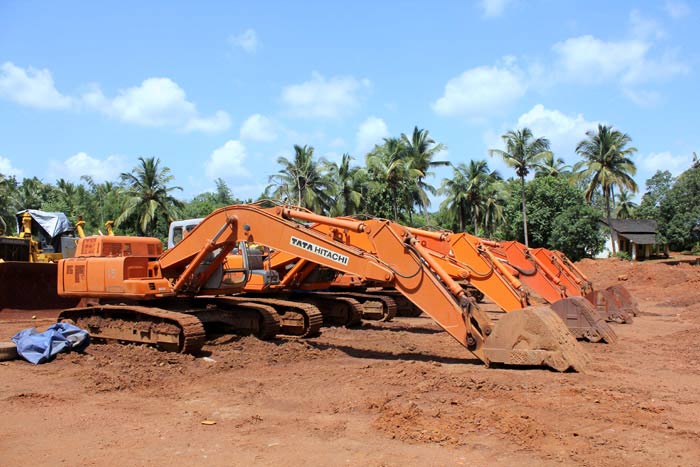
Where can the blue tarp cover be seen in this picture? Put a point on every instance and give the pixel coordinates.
(54, 223)
(40, 347)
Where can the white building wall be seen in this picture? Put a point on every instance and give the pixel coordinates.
(607, 249)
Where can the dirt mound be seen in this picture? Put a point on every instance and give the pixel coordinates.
(650, 280)
(396, 393)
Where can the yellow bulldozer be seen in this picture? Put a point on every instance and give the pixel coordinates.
(28, 260)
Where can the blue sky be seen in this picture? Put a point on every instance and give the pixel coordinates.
(221, 89)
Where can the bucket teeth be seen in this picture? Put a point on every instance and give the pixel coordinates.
(535, 336)
(582, 319)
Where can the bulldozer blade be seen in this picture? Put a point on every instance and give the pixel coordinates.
(31, 286)
(611, 305)
(582, 319)
(535, 336)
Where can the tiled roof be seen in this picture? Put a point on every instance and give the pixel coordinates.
(632, 225)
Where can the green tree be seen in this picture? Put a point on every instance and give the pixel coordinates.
(224, 195)
(522, 153)
(205, 203)
(547, 198)
(576, 232)
(348, 184)
(469, 195)
(106, 201)
(657, 187)
(625, 206)
(32, 193)
(606, 164)
(302, 181)
(550, 166)
(391, 180)
(8, 203)
(680, 211)
(495, 200)
(149, 201)
(420, 149)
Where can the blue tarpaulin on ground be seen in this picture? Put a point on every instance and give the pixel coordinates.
(40, 347)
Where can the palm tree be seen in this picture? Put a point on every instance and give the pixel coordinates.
(495, 200)
(106, 199)
(551, 166)
(522, 153)
(456, 190)
(8, 200)
(31, 193)
(302, 181)
(148, 196)
(468, 194)
(420, 149)
(390, 170)
(625, 205)
(606, 164)
(348, 184)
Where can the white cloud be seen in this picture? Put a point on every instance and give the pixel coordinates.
(642, 98)
(321, 97)
(227, 161)
(258, 128)
(370, 132)
(483, 91)
(82, 164)
(645, 28)
(31, 87)
(677, 9)
(589, 60)
(156, 102)
(563, 131)
(492, 8)
(7, 169)
(247, 40)
(220, 121)
(337, 143)
(664, 161)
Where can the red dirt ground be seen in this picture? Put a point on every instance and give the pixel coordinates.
(399, 393)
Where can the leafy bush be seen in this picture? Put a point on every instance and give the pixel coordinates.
(623, 255)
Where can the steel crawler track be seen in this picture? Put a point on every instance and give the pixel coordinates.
(169, 330)
(311, 316)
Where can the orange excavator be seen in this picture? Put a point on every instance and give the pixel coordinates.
(553, 276)
(472, 260)
(131, 291)
(614, 302)
(462, 256)
(467, 260)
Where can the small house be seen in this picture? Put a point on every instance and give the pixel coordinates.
(637, 237)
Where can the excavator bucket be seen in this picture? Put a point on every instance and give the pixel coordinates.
(615, 304)
(582, 319)
(535, 336)
(623, 299)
